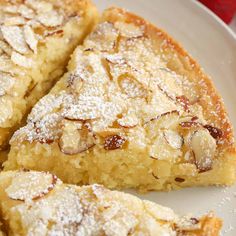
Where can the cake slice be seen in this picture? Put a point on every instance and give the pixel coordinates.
(134, 111)
(38, 203)
(36, 40)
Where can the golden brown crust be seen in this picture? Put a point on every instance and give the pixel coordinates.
(209, 98)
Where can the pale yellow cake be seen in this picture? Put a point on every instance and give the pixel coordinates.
(36, 40)
(134, 111)
(38, 203)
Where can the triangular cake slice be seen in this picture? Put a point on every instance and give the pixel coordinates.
(134, 110)
(36, 40)
(38, 203)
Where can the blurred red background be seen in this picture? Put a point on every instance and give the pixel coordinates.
(225, 9)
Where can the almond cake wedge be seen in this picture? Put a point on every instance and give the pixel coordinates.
(36, 40)
(133, 111)
(29, 207)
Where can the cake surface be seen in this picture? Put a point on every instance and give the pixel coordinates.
(134, 111)
(36, 40)
(38, 203)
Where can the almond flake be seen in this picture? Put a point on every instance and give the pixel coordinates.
(40, 6)
(6, 110)
(132, 87)
(5, 47)
(20, 60)
(22, 189)
(10, 9)
(6, 64)
(14, 20)
(6, 83)
(128, 121)
(26, 12)
(15, 37)
(50, 19)
(30, 38)
(128, 30)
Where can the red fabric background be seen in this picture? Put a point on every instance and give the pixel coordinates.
(225, 9)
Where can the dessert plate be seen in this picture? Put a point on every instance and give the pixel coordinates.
(213, 45)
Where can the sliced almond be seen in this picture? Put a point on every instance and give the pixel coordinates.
(30, 185)
(114, 142)
(216, 133)
(185, 223)
(50, 19)
(165, 120)
(184, 102)
(75, 82)
(173, 139)
(26, 12)
(6, 111)
(6, 65)
(190, 124)
(203, 146)
(169, 83)
(14, 20)
(75, 140)
(40, 6)
(20, 60)
(6, 83)
(128, 121)
(30, 38)
(15, 37)
(132, 87)
(161, 149)
(5, 47)
(10, 9)
(103, 38)
(128, 30)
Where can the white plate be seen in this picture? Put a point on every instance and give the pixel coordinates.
(213, 45)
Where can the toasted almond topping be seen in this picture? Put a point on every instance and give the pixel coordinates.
(189, 124)
(14, 20)
(114, 142)
(40, 6)
(216, 133)
(10, 9)
(30, 38)
(204, 147)
(173, 139)
(26, 12)
(50, 19)
(128, 30)
(184, 102)
(6, 110)
(6, 64)
(15, 37)
(20, 60)
(162, 150)
(6, 83)
(165, 120)
(103, 38)
(5, 47)
(131, 87)
(39, 185)
(128, 121)
(75, 139)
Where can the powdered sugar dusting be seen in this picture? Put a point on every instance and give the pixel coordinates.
(119, 81)
(89, 210)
